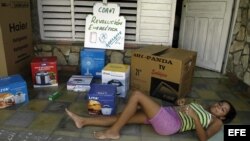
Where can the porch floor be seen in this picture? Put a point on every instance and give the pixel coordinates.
(43, 120)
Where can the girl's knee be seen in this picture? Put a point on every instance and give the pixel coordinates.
(138, 93)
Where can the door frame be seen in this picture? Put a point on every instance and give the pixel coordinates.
(230, 36)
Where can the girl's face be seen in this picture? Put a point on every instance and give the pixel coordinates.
(220, 109)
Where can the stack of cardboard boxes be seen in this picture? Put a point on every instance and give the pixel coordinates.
(16, 51)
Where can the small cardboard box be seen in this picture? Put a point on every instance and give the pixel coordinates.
(44, 71)
(13, 90)
(92, 62)
(163, 72)
(118, 75)
(16, 49)
(79, 83)
(102, 99)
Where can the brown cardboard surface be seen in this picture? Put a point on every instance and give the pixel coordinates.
(15, 37)
(166, 69)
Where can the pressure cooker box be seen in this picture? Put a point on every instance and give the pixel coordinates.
(117, 75)
(44, 71)
(163, 72)
(13, 90)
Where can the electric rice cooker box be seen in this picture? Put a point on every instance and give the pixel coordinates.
(13, 90)
(163, 72)
(79, 83)
(44, 71)
(102, 99)
(92, 62)
(117, 75)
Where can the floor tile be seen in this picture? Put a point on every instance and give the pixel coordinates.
(65, 138)
(5, 114)
(31, 136)
(46, 122)
(208, 94)
(35, 105)
(131, 130)
(20, 119)
(7, 135)
(56, 107)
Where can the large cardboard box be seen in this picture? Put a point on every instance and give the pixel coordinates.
(102, 99)
(92, 62)
(44, 71)
(118, 75)
(13, 90)
(163, 72)
(16, 48)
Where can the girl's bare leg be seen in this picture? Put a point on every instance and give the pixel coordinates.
(149, 107)
(138, 118)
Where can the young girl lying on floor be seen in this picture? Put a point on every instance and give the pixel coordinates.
(165, 120)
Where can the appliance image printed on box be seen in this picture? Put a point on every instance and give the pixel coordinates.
(117, 75)
(102, 99)
(79, 83)
(92, 62)
(13, 90)
(44, 71)
(164, 90)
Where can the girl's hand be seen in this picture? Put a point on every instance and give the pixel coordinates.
(180, 101)
(190, 112)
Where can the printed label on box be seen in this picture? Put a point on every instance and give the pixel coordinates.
(92, 62)
(102, 99)
(13, 90)
(44, 71)
(79, 83)
(117, 75)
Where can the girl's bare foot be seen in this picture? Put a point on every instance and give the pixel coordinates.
(106, 135)
(79, 121)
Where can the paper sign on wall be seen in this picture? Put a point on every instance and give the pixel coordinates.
(105, 29)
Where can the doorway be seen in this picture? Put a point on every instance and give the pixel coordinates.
(177, 23)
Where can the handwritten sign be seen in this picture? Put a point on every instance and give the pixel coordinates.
(105, 29)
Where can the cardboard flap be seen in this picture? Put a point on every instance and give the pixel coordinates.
(180, 54)
(153, 50)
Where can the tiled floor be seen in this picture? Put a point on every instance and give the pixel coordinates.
(43, 120)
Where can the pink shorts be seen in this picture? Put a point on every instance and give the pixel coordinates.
(166, 121)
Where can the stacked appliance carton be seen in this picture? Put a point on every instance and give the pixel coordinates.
(16, 48)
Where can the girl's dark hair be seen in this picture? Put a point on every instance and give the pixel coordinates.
(231, 113)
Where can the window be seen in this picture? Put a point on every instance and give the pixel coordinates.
(147, 21)
(65, 19)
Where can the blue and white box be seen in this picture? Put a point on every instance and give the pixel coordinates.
(92, 62)
(13, 90)
(79, 83)
(102, 99)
